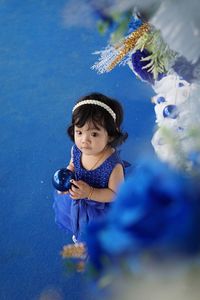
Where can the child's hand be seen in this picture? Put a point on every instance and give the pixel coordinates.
(80, 190)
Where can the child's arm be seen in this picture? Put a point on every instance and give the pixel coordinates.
(84, 190)
(71, 164)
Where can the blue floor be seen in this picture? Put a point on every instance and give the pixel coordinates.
(44, 68)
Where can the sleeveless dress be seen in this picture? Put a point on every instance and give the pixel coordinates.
(73, 215)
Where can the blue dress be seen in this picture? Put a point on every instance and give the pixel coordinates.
(74, 215)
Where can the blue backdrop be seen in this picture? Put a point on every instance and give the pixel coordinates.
(44, 68)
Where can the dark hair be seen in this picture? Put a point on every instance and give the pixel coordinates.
(99, 116)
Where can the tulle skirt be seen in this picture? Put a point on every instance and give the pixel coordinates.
(73, 215)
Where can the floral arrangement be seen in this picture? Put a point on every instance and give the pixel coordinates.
(153, 230)
(159, 215)
(177, 138)
(175, 82)
(143, 49)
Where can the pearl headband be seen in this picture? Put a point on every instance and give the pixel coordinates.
(96, 102)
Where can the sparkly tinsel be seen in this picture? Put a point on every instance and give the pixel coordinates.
(74, 251)
(112, 55)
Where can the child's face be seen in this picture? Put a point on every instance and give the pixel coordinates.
(90, 140)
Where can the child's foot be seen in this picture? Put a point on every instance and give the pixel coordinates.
(74, 239)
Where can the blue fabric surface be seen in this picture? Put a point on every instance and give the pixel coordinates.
(45, 67)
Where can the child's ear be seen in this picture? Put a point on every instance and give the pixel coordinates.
(110, 139)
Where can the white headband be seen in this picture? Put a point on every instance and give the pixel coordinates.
(96, 102)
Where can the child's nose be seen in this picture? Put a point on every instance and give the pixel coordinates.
(85, 138)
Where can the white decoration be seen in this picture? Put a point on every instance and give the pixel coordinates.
(179, 23)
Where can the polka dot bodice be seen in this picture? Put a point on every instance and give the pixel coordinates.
(99, 177)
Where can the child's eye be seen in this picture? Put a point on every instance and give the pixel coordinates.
(94, 134)
(78, 132)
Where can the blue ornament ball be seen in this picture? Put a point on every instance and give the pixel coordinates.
(160, 99)
(61, 179)
(170, 111)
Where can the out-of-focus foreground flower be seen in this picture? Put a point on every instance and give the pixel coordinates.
(156, 215)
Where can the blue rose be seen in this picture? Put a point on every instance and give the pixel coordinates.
(156, 210)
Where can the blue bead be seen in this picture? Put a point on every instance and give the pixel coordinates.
(161, 100)
(180, 128)
(61, 179)
(170, 111)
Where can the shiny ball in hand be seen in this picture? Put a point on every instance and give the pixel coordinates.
(61, 179)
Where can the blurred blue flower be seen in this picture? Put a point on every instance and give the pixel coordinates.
(194, 159)
(186, 70)
(156, 210)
